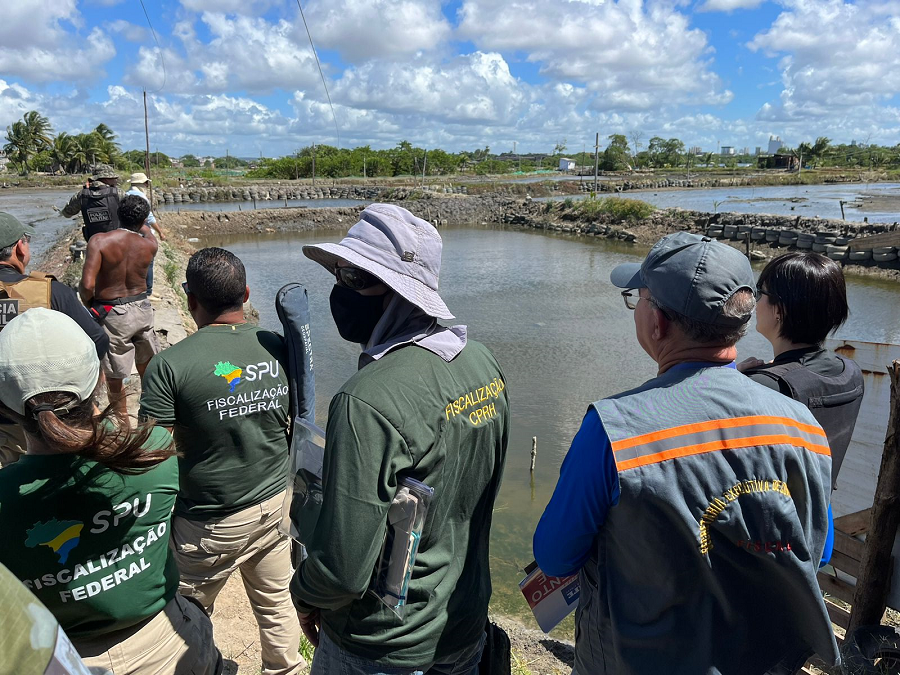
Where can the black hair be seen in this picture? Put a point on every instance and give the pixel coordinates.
(133, 211)
(810, 291)
(217, 279)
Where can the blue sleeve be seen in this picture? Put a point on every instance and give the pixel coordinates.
(829, 540)
(588, 486)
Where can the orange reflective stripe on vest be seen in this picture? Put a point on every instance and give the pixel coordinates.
(716, 435)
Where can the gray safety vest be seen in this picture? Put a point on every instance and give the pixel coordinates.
(708, 562)
(833, 401)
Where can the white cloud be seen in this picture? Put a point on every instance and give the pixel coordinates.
(63, 62)
(728, 5)
(128, 30)
(35, 45)
(474, 88)
(364, 29)
(249, 7)
(633, 56)
(245, 54)
(836, 57)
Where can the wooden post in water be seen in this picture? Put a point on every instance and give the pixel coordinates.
(596, 159)
(842, 210)
(874, 580)
(533, 452)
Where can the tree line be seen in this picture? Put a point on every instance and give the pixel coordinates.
(32, 146)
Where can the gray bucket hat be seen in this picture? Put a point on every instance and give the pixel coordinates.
(104, 171)
(390, 243)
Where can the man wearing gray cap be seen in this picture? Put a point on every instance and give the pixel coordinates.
(20, 292)
(426, 404)
(695, 507)
(97, 202)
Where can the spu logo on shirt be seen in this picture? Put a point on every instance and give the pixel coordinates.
(60, 536)
(234, 375)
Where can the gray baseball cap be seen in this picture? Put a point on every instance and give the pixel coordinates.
(692, 275)
(11, 230)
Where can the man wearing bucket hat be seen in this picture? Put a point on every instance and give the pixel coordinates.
(139, 182)
(20, 292)
(428, 404)
(695, 506)
(86, 512)
(97, 202)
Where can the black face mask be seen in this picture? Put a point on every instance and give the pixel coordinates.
(355, 315)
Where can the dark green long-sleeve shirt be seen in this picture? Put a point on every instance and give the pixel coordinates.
(446, 424)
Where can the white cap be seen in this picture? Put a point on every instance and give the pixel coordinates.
(44, 350)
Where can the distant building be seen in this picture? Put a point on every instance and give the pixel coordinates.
(777, 161)
(775, 144)
(566, 164)
(758, 150)
(727, 150)
(695, 150)
(745, 151)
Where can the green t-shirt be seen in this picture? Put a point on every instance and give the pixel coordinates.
(91, 544)
(224, 392)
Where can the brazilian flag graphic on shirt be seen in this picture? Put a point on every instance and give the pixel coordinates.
(61, 536)
(230, 372)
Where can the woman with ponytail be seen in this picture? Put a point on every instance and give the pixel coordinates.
(85, 513)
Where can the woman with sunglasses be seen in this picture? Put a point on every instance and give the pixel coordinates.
(86, 511)
(802, 299)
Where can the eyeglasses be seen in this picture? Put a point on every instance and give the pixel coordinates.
(185, 288)
(632, 300)
(760, 292)
(628, 296)
(354, 279)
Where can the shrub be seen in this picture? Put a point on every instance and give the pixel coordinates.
(617, 208)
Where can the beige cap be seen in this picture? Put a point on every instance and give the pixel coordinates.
(138, 178)
(44, 350)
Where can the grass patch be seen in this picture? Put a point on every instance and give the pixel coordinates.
(72, 275)
(519, 666)
(307, 651)
(618, 208)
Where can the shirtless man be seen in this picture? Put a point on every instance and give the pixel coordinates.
(114, 287)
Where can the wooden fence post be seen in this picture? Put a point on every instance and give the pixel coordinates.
(874, 581)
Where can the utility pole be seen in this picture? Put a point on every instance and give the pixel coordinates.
(314, 165)
(226, 160)
(364, 167)
(424, 160)
(596, 160)
(147, 149)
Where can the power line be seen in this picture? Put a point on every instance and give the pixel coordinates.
(321, 74)
(162, 60)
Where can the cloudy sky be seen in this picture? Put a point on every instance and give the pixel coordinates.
(239, 74)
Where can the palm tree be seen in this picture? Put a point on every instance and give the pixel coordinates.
(25, 138)
(820, 148)
(86, 150)
(16, 147)
(105, 132)
(62, 151)
(39, 130)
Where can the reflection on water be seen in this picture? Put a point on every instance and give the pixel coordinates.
(544, 305)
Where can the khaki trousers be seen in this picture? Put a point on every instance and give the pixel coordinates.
(208, 552)
(177, 641)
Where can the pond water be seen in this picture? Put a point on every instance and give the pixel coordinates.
(544, 305)
(260, 204)
(807, 201)
(33, 207)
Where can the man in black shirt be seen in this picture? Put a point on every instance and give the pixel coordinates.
(20, 292)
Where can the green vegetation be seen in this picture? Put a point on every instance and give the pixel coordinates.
(618, 208)
(307, 651)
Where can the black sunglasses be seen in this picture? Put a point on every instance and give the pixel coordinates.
(355, 279)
